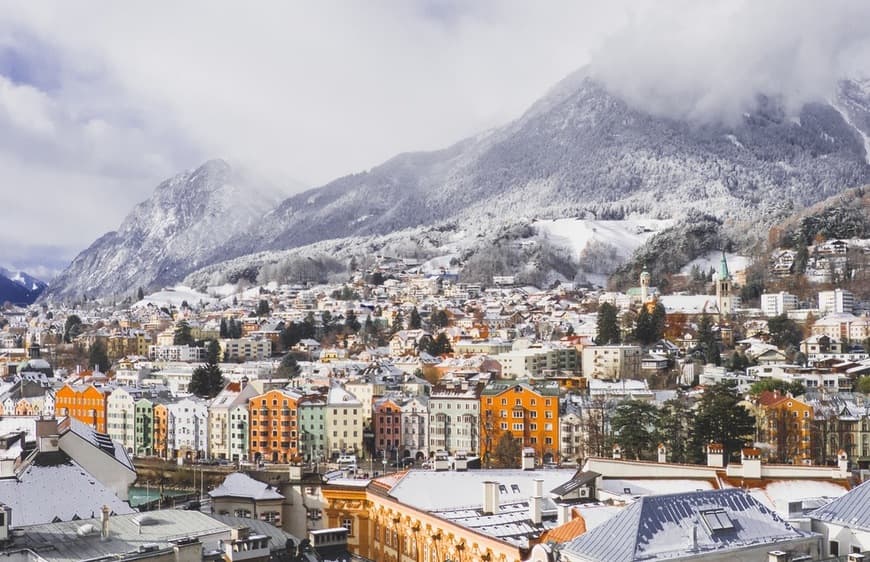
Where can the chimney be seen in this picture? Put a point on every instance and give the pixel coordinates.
(843, 462)
(104, 523)
(528, 458)
(536, 501)
(617, 451)
(751, 460)
(777, 556)
(715, 455)
(663, 453)
(563, 514)
(490, 497)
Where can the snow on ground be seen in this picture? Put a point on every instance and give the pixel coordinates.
(625, 235)
(439, 264)
(714, 258)
(174, 296)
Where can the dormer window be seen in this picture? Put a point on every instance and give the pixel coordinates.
(716, 520)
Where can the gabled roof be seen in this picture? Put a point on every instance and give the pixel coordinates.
(579, 479)
(238, 485)
(851, 510)
(682, 525)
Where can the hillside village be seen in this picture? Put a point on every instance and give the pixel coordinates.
(392, 375)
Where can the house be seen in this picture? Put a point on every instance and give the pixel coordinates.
(711, 524)
(845, 522)
(529, 413)
(242, 496)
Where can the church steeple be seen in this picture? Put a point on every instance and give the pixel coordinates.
(723, 268)
(724, 299)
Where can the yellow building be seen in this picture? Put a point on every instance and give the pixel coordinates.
(409, 516)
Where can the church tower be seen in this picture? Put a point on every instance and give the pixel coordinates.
(644, 286)
(724, 300)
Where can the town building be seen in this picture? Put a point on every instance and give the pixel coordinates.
(529, 414)
(774, 304)
(454, 416)
(344, 423)
(274, 423)
(612, 362)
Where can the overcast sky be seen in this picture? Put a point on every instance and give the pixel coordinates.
(101, 101)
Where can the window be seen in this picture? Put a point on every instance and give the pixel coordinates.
(834, 547)
(347, 523)
(717, 520)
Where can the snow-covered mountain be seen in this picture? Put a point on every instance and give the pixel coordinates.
(578, 152)
(19, 287)
(194, 219)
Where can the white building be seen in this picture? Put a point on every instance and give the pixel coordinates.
(774, 304)
(454, 416)
(245, 349)
(838, 301)
(612, 362)
(175, 353)
(121, 416)
(415, 427)
(220, 425)
(344, 422)
(534, 360)
(187, 427)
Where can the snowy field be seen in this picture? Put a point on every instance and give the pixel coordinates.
(712, 259)
(174, 296)
(625, 235)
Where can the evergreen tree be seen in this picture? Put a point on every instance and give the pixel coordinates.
(289, 367)
(398, 322)
(720, 418)
(707, 340)
(182, 334)
(439, 345)
(608, 327)
(212, 352)
(207, 380)
(351, 323)
(223, 328)
(676, 420)
(784, 331)
(414, 321)
(634, 427)
(644, 331)
(263, 308)
(439, 319)
(140, 294)
(72, 328)
(98, 359)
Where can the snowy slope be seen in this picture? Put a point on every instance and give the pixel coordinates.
(580, 152)
(196, 218)
(624, 235)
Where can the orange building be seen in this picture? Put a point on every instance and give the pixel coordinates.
(161, 427)
(274, 426)
(529, 413)
(786, 425)
(84, 403)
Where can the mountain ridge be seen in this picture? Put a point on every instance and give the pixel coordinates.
(578, 151)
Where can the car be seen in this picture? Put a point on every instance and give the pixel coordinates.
(404, 463)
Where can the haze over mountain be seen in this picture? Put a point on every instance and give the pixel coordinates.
(579, 151)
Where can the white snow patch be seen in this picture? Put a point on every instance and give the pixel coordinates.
(712, 259)
(625, 235)
(845, 115)
(174, 296)
(734, 141)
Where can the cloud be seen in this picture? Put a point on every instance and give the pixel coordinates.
(710, 60)
(101, 101)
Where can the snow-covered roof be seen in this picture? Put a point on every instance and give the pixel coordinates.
(679, 525)
(238, 485)
(55, 486)
(338, 396)
(429, 490)
(851, 510)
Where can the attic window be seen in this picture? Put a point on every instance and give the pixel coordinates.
(717, 520)
(502, 488)
(515, 488)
